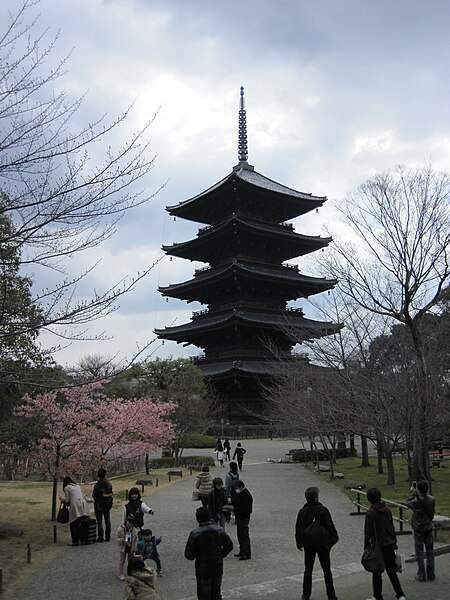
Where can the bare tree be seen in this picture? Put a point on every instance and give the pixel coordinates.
(399, 269)
(57, 197)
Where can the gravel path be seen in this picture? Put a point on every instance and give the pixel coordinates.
(276, 566)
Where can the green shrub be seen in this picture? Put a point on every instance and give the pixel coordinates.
(310, 456)
(183, 461)
(198, 440)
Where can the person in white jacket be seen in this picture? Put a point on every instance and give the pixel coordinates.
(78, 508)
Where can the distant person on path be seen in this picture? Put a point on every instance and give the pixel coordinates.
(227, 449)
(126, 540)
(136, 507)
(219, 445)
(379, 526)
(239, 454)
(103, 501)
(78, 508)
(139, 585)
(313, 510)
(423, 507)
(243, 508)
(208, 545)
(204, 484)
(147, 547)
(217, 500)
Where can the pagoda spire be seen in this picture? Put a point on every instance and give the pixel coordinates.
(242, 146)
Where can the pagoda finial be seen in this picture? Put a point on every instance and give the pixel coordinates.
(242, 146)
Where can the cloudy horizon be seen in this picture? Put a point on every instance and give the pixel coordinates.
(335, 92)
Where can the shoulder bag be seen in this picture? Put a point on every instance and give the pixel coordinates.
(373, 558)
(63, 513)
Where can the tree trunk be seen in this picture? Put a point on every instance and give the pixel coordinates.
(390, 468)
(352, 442)
(55, 484)
(380, 458)
(364, 452)
(147, 464)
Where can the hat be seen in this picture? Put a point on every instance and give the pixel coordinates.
(202, 514)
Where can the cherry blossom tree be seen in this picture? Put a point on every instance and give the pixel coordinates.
(81, 428)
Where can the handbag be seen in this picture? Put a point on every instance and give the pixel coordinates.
(399, 562)
(63, 514)
(195, 496)
(373, 558)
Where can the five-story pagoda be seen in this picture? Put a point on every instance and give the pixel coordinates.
(247, 326)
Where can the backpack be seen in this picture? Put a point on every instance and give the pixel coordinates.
(105, 499)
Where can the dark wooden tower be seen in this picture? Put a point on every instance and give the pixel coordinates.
(247, 326)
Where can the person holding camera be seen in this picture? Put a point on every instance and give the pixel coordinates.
(423, 507)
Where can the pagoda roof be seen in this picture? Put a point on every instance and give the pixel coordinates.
(242, 187)
(208, 241)
(287, 281)
(249, 368)
(284, 321)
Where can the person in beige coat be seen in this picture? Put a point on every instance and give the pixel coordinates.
(204, 485)
(139, 585)
(78, 508)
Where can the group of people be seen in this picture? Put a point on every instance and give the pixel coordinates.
(137, 545)
(223, 452)
(209, 543)
(378, 530)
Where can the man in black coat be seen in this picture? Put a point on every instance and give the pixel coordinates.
(208, 544)
(103, 501)
(315, 539)
(243, 508)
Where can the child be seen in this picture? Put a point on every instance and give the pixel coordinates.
(136, 507)
(217, 502)
(139, 585)
(147, 548)
(126, 540)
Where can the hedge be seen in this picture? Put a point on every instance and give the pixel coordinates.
(311, 456)
(198, 440)
(183, 461)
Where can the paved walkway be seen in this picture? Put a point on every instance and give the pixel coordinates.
(275, 571)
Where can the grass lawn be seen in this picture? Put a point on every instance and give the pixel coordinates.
(353, 473)
(28, 505)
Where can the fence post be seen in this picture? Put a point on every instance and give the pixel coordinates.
(28, 552)
(55, 534)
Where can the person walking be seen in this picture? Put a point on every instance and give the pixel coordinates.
(238, 454)
(379, 528)
(204, 485)
(227, 449)
(243, 508)
(102, 495)
(312, 545)
(423, 507)
(208, 545)
(78, 508)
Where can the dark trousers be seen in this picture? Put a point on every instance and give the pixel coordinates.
(324, 559)
(243, 536)
(422, 540)
(377, 582)
(209, 589)
(75, 528)
(103, 515)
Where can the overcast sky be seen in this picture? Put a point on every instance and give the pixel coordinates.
(336, 90)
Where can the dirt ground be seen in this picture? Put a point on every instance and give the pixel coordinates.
(28, 505)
